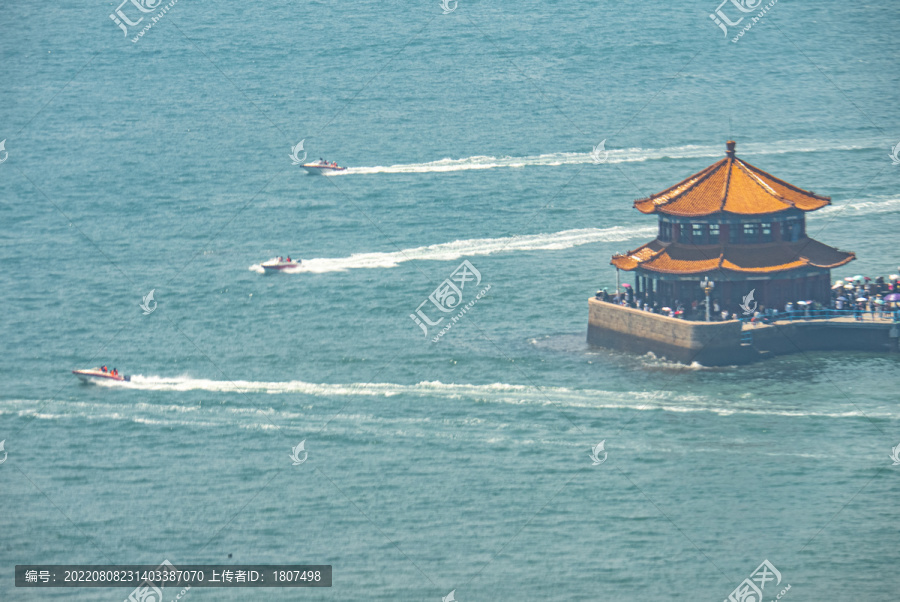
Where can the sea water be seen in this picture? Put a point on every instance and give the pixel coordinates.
(467, 464)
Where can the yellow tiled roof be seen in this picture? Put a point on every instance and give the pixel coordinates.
(734, 186)
(676, 258)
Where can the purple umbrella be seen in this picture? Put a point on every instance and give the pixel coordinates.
(892, 297)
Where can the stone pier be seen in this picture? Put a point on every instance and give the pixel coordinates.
(730, 342)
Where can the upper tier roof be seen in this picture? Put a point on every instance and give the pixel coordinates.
(734, 186)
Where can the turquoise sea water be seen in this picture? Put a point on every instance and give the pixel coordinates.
(458, 465)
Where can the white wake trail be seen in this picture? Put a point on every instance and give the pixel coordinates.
(624, 155)
(470, 248)
(493, 393)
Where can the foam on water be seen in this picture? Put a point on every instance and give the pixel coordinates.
(469, 248)
(857, 207)
(504, 393)
(624, 155)
(556, 241)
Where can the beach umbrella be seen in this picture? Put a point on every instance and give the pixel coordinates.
(842, 298)
(858, 299)
(893, 276)
(892, 297)
(858, 277)
(879, 301)
(803, 302)
(848, 278)
(626, 285)
(666, 309)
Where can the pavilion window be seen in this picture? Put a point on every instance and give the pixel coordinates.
(751, 232)
(713, 234)
(697, 233)
(734, 234)
(685, 233)
(786, 230)
(766, 232)
(794, 228)
(665, 231)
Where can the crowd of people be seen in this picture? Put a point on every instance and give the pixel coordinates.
(627, 298)
(853, 296)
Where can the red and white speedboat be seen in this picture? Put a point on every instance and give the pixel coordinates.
(99, 375)
(322, 167)
(276, 264)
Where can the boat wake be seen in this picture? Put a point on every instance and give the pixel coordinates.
(497, 393)
(556, 241)
(469, 248)
(624, 155)
(857, 207)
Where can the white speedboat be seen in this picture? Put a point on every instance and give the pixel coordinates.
(276, 264)
(99, 374)
(322, 167)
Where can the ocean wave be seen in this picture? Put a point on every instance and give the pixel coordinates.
(469, 248)
(622, 155)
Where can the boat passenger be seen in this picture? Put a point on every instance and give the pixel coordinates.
(103, 369)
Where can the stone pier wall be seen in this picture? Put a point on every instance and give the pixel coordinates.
(819, 335)
(719, 343)
(709, 343)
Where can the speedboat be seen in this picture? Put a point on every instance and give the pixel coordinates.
(98, 375)
(322, 167)
(276, 264)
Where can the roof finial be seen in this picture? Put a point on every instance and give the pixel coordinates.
(729, 148)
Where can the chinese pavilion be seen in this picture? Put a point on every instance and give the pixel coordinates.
(742, 228)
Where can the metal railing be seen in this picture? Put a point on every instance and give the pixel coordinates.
(884, 315)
